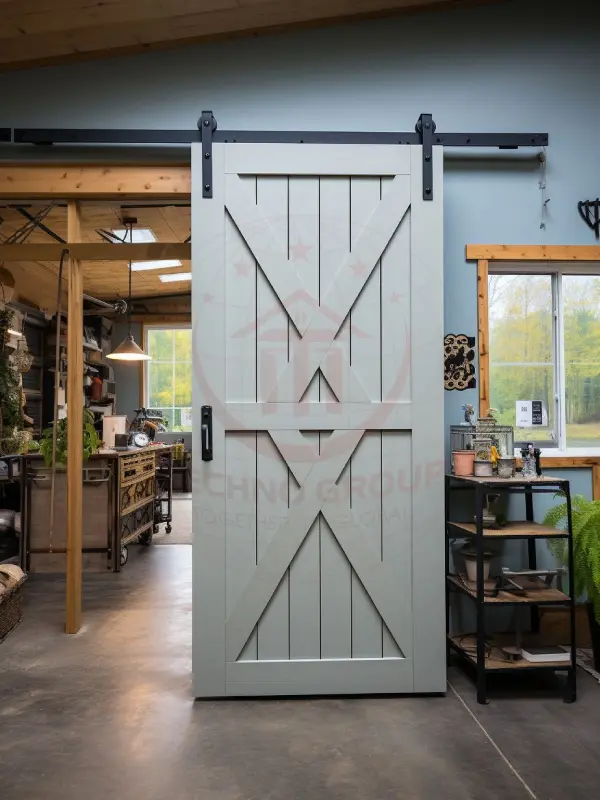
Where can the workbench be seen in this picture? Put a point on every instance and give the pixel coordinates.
(119, 498)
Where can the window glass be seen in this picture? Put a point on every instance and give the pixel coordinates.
(521, 345)
(581, 320)
(169, 375)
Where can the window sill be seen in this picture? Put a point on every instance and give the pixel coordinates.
(568, 459)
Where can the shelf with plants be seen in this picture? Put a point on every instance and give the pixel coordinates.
(584, 516)
(477, 648)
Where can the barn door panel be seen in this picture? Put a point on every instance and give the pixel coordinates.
(315, 525)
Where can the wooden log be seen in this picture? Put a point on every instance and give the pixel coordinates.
(483, 334)
(74, 426)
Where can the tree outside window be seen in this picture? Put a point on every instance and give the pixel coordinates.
(168, 376)
(544, 333)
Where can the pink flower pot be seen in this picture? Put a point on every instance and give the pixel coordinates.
(463, 462)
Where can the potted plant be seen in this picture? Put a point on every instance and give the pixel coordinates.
(586, 556)
(91, 440)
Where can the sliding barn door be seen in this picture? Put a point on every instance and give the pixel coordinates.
(318, 523)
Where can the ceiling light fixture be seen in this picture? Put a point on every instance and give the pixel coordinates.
(176, 276)
(128, 350)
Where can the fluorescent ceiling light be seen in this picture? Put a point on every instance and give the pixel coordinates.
(176, 276)
(140, 266)
(136, 235)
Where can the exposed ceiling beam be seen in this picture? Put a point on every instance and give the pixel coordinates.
(97, 251)
(81, 182)
(24, 213)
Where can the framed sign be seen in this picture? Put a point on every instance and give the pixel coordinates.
(529, 413)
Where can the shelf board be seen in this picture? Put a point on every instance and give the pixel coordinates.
(513, 530)
(541, 596)
(496, 663)
(518, 480)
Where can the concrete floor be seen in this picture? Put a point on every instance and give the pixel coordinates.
(109, 713)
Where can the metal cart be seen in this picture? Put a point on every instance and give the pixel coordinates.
(163, 504)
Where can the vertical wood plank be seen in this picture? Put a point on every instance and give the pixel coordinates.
(241, 553)
(365, 349)
(304, 573)
(336, 573)
(427, 312)
(272, 471)
(74, 424)
(240, 525)
(396, 523)
(483, 330)
(396, 451)
(209, 477)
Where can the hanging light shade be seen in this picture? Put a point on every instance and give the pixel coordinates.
(128, 350)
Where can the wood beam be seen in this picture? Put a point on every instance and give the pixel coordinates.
(483, 337)
(519, 252)
(596, 481)
(569, 462)
(74, 426)
(97, 251)
(83, 182)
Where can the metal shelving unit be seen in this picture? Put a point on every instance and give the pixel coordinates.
(484, 656)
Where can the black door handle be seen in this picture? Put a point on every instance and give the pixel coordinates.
(206, 433)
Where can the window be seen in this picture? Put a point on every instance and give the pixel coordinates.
(168, 377)
(544, 345)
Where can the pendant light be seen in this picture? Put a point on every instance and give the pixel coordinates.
(129, 350)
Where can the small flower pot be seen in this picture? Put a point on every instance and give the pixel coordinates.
(471, 567)
(463, 462)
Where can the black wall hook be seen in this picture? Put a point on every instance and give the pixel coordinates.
(589, 211)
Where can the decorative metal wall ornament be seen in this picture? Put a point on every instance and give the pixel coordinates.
(589, 211)
(459, 358)
(22, 358)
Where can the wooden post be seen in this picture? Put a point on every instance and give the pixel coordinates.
(483, 331)
(596, 482)
(74, 426)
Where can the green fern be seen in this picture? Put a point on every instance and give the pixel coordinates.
(586, 544)
(91, 440)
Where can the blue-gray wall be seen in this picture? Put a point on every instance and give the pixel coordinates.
(516, 66)
(126, 375)
(128, 384)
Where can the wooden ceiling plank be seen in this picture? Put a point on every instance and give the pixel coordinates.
(93, 182)
(40, 48)
(52, 16)
(179, 220)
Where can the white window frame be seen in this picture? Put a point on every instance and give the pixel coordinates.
(556, 269)
(146, 387)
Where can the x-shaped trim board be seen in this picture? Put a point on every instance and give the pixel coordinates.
(317, 480)
(339, 299)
